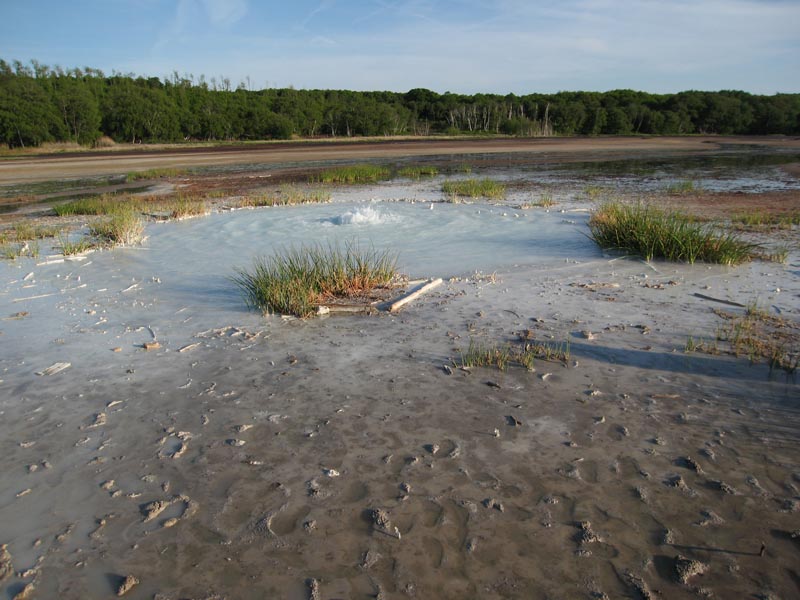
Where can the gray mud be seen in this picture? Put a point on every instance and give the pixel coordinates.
(253, 457)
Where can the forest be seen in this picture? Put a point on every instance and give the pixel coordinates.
(41, 104)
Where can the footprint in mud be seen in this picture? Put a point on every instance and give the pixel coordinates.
(421, 512)
(357, 491)
(286, 521)
(581, 470)
(434, 551)
(160, 514)
(249, 509)
(167, 513)
(174, 444)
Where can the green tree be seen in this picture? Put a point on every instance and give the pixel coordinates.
(27, 117)
(79, 110)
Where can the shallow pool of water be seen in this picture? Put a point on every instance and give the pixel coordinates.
(430, 239)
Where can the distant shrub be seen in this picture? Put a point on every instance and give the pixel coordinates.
(104, 142)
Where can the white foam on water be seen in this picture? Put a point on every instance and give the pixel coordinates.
(363, 215)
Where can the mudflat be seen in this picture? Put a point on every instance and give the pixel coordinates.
(161, 440)
(26, 169)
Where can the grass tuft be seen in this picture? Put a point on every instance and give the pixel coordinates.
(287, 196)
(184, 207)
(478, 355)
(155, 174)
(353, 174)
(756, 334)
(500, 357)
(545, 201)
(70, 248)
(105, 204)
(778, 254)
(417, 172)
(686, 186)
(298, 280)
(124, 228)
(13, 251)
(474, 188)
(654, 233)
(176, 206)
(760, 335)
(594, 192)
(24, 232)
(756, 219)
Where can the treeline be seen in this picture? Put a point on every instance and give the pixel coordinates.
(42, 104)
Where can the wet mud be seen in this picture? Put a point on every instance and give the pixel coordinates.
(350, 457)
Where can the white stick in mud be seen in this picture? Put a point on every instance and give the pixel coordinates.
(397, 304)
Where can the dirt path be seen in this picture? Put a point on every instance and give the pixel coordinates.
(28, 170)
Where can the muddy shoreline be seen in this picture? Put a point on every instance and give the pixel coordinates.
(27, 170)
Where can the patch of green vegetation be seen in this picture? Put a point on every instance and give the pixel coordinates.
(123, 228)
(549, 351)
(105, 204)
(757, 219)
(687, 186)
(778, 254)
(593, 192)
(287, 196)
(705, 346)
(257, 200)
(177, 206)
(756, 334)
(478, 355)
(500, 357)
(24, 231)
(353, 174)
(13, 251)
(72, 247)
(545, 201)
(654, 233)
(183, 207)
(417, 172)
(300, 279)
(27, 192)
(155, 174)
(760, 335)
(474, 188)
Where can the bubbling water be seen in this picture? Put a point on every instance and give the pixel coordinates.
(363, 215)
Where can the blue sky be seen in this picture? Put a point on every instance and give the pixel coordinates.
(465, 46)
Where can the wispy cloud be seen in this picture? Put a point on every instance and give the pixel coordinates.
(321, 7)
(225, 12)
(477, 45)
(193, 16)
(574, 44)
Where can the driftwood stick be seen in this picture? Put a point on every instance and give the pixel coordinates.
(403, 300)
(728, 302)
(345, 308)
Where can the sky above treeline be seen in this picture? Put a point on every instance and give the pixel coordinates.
(461, 46)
